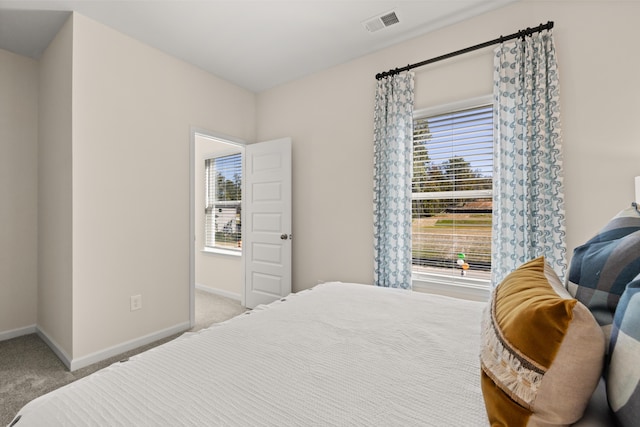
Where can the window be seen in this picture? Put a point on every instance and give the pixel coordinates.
(223, 200)
(452, 196)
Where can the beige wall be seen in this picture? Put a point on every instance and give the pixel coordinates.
(55, 290)
(330, 117)
(114, 119)
(133, 109)
(18, 186)
(215, 272)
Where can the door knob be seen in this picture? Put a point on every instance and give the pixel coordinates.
(284, 236)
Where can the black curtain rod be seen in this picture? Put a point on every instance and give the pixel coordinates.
(501, 39)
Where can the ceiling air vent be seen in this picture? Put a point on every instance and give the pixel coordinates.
(382, 21)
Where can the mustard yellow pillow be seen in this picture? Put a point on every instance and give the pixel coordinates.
(542, 351)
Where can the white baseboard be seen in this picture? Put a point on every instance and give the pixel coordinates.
(81, 362)
(55, 347)
(222, 293)
(101, 355)
(14, 333)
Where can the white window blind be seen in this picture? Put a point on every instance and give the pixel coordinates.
(223, 188)
(452, 192)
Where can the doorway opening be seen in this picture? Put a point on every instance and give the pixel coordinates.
(216, 259)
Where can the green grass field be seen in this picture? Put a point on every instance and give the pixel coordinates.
(442, 237)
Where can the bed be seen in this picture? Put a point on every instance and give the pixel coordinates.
(338, 354)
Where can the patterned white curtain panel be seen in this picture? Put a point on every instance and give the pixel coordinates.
(528, 205)
(393, 159)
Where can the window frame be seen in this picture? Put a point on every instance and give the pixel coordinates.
(446, 284)
(224, 153)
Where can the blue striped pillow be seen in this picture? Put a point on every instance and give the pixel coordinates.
(601, 268)
(622, 374)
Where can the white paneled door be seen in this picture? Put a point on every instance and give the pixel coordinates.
(267, 230)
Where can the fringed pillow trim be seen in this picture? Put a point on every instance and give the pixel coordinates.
(515, 374)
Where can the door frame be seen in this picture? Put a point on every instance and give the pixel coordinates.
(193, 131)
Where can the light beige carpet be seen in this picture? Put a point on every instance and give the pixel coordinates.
(28, 367)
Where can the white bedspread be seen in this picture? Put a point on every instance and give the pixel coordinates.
(336, 355)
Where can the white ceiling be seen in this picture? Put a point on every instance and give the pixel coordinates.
(256, 44)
